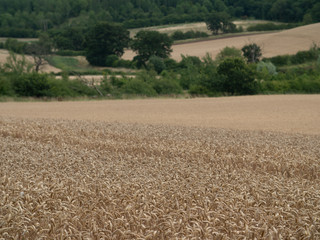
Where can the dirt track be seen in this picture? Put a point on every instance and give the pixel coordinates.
(289, 113)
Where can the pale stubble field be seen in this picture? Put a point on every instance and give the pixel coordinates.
(219, 168)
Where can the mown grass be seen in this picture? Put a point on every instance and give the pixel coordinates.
(69, 64)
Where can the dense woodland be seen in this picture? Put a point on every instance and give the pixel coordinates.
(26, 18)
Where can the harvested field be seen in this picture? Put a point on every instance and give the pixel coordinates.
(89, 170)
(273, 44)
(198, 26)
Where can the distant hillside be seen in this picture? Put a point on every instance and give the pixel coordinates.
(26, 18)
(273, 44)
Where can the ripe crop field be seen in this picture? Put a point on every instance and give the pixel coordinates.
(121, 170)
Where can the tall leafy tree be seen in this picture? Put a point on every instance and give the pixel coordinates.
(151, 43)
(71, 38)
(238, 79)
(219, 21)
(105, 39)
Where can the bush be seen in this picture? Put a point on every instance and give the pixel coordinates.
(117, 82)
(5, 86)
(189, 60)
(115, 61)
(179, 35)
(299, 85)
(80, 88)
(70, 53)
(60, 88)
(237, 77)
(111, 60)
(266, 70)
(124, 63)
(304, 56)
(229, 52)
(279, 60)
(15, 46)
(196, 89)
(105, 85)
(156, 63)
(171, 64)
(69, 88)
(167, 84)
(138, 87)
(189, 76)
(270, 27)
(300, 57)
(18, 33)
(31, 84)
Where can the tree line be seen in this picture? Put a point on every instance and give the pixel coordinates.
(233, 72)
(26, 18)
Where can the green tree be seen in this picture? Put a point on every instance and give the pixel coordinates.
(219, 21)
(237, 77)
(252, 52)
(228, 52)
(151, 43)
(71, 38)
(157, 64)
(315, 12)
(105, 39)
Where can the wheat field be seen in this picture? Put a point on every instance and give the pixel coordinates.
(125, 175)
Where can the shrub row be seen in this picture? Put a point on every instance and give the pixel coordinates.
(300, 57)
(70, 53)
(41, 85)
(299, 85)
(18, 33)
(146, 83)
(271, 27)
(229, 74)
(179, 35)
(15, 46)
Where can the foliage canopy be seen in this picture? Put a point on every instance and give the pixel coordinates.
(237, 77)
(151, 43)
(105, 39)
(219, 21)
(26, 18)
